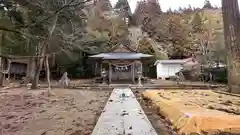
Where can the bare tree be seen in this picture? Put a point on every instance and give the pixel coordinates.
(61, 23)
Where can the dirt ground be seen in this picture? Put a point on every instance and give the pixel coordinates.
(68, 112)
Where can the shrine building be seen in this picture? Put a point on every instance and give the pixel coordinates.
(121, 64)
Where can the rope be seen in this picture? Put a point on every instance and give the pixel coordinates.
(119, 65)
(122, 67)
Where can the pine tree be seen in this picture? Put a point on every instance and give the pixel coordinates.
(180, 9)
(189, 7)
(140, 7)
(123, 5)
(104, 5)
(207, 4)
(153, 7)
(139, 12)
(177, 37)
(197, 24)
(169, 10)
(147, 9)
(187, 10)
(125, 11)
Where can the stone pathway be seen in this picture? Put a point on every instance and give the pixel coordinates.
(123, 115)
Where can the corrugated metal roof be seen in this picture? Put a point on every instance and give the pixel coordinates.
(22, 61)
(173, 61)
(128, 55)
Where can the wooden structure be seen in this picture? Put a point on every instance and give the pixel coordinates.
(18, 68)
(120, 64)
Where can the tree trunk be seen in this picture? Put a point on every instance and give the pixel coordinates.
(43, 53)
(31, 67)
(48, 75)
(1, 60)
(232, 40)
(39, 67)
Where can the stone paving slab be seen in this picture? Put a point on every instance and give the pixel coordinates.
(123, 115)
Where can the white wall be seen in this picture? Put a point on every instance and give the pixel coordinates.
(167, 70)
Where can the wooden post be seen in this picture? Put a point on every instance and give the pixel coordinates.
(1, 60)
(133, 66)
(95, 69)
(132, 72)
(110, 73)
(101, 69)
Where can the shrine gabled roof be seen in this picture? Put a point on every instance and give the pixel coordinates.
(122, 46)
(121, 56)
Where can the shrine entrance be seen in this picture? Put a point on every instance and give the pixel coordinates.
(124, 71)
(121, 72)
(121, 64)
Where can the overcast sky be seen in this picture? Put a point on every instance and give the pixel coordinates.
(174, 4)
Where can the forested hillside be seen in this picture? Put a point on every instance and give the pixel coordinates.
(184, 32)
(68, 29)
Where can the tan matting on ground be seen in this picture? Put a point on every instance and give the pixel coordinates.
(197, 111)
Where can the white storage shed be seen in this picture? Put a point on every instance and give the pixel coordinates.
(167, 68)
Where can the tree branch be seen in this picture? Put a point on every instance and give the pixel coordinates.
(56, 12)
(14, 31)
(27, 57)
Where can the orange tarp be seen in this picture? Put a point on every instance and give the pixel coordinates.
(192, 118)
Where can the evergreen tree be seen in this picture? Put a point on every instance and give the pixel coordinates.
(197, 24)
(104, 5)
(139, 12)
(180, 9)
(140, 7)
(207, 4)
(189, 7)
(153, 7)
(219, 50)
(123, 5)
(124, 10)
(169, 10)
(187, 10)
(147, 9)
(178, 38)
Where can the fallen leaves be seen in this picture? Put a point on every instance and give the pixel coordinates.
(64, 112)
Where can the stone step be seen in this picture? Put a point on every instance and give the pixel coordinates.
(123, 115)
